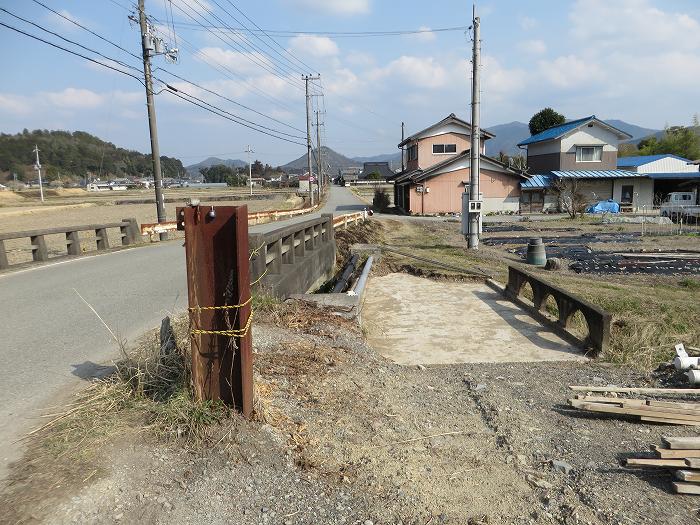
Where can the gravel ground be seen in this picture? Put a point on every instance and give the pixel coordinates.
(349, 437)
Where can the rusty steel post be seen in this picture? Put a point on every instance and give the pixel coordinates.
(218, 274)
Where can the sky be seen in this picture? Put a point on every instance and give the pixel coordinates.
(635, 60)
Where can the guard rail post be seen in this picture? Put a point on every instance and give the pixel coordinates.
(73, 243)
(39, 250)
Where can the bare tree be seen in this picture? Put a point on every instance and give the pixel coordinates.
(571, 199)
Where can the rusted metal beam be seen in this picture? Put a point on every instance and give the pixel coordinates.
(218, 276)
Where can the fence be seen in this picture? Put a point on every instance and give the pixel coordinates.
(70, 240)
(598, 320)
(294, 259)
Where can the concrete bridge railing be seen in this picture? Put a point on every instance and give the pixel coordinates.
(597, 319)
(129, 232)
(294, 259)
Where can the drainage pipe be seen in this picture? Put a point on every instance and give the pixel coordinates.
(362, 281)
(347, 273)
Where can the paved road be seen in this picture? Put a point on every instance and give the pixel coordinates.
(49, 339)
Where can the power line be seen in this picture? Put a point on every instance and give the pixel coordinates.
(229, 118)
(229, 99)
(72, 52)
(124, 64)
(308, 68)
(332, 34)
(216, 110)
(174, 89)
(234, 44)
(136, 56)
(67, 18)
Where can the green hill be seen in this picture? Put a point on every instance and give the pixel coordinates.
(75, 155)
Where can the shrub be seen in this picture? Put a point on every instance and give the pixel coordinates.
(381, 199)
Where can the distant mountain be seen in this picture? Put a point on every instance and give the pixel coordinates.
(214, 161)
(335, 159)
(394, 159)
(659, 133)
(509, 135)
(507, 138)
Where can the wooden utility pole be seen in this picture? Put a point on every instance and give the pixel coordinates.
(319, 179)
(474, 215)
(147, 47)
(218, 289)
(307, 78)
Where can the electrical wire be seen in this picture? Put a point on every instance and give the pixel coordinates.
(138, 57)
(179, 93)
(72, 52)
(236, 45)
(331, 34)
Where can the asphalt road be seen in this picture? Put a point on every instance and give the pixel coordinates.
(49, 338)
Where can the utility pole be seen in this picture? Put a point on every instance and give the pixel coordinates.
(473, 208)
(147, 47)
(249, 150)
(319, 179)
(37, 167)
(403, 165)
(308, 133)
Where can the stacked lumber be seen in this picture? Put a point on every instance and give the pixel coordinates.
(681, 454)
(648, 410)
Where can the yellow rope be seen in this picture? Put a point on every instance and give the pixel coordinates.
(242, 332)
(224, 307)
(256, 281)
(256, 251)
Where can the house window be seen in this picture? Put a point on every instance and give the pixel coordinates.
(413, 152)
(627, 194)
(589, 153)
(441, 149)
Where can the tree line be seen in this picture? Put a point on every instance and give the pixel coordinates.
(76, 155)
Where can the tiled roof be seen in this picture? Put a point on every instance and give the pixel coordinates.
(633, 162)
(450, 118)
(558, 131)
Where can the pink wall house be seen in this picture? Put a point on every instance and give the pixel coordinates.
(437, 168)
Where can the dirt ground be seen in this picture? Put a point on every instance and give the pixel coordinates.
(350, 437)
(69, 213)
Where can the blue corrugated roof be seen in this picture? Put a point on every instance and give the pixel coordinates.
(536, 182)
(597, 174)
(633, 162)
(563, 129)
(675, 175)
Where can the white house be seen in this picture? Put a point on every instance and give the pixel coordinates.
(664, 163)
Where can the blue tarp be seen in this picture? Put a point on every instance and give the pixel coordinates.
(608, 206)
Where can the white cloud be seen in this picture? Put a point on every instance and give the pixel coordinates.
(570, 71)
(61, 21)
(75, 98)
(527, 23)
(316, 46)
(242, 63)
(425, 36)
(343, 82)
(356, 58)
(533, 47)
(424, 72)
(17, 104)
(334, 7)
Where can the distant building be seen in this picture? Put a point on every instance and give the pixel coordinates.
(438, 169)
(585, 150)
(380, 168)
(350, 174)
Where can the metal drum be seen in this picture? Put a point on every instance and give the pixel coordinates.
(535, 252)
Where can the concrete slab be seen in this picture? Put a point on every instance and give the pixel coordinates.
(412, 320)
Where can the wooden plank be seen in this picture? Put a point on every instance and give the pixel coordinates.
(692, 476)
(692, 442)
(674, 404)
(634, 411)
(686, 488)
(693, 462)
(637, 390)
(668, 421)
(667, 453)
(663, 463)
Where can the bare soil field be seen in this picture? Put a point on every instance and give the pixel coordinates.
(79, 210)
(344, 436)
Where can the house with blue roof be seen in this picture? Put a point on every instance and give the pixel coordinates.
(584, 152)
